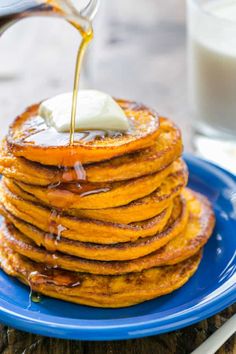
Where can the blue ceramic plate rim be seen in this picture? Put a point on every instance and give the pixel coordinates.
(140, 326)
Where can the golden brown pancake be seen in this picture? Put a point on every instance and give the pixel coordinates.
(143, 208)
(98, 290)
(166, 149)
(100, 196)
(30, 137)
(183, 246)
(105, 252)
(106, 222)
(85, 230)
(138, 210)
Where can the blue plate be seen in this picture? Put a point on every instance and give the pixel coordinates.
(209, 291)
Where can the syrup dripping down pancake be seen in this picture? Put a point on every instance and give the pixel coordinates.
(183, 246)
(98, 290)
(84, 230)
(138, 210)
(30, 137)
(100, 196)
(98, 251)
(166, 148)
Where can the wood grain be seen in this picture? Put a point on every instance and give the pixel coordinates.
(140, 53)
(180, 342)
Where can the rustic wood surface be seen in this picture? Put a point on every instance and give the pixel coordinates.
(139, 53)
(180, 342)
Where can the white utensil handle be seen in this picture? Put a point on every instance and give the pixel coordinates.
(217, 339)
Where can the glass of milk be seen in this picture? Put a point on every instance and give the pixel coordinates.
(212, 78)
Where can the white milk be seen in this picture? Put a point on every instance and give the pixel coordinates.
(212, 44)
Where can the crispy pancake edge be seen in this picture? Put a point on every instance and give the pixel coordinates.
(106, 252)
(167, 255)
(128, 166)
(85, 153)
(98, 290)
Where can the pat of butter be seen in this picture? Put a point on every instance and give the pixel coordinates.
(95, 110)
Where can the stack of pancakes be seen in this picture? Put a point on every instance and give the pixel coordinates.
(106, 222)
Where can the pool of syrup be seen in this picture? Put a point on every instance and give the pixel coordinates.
(38, 133)
(50, 275)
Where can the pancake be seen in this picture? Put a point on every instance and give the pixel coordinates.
(166, 148)
(143, 208)
(183, 246)
(105, 222)
(138, 210)
(98, 290)
(100, 196)
(85, 230)
(105, 252)
(30, 137)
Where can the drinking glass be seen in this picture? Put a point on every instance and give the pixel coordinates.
(212, 78)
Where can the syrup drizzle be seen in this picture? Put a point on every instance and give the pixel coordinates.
(54, 185)
(78, 173)
(50, 275)
(95, 191)
(81, 189)
(35, 297)
(60, 229)
(49, 136)
(52, 239)
(47, 274)
(87, 36)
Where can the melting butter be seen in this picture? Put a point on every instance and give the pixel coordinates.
(95, 110)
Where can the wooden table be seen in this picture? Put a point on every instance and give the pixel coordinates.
(139, 53)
